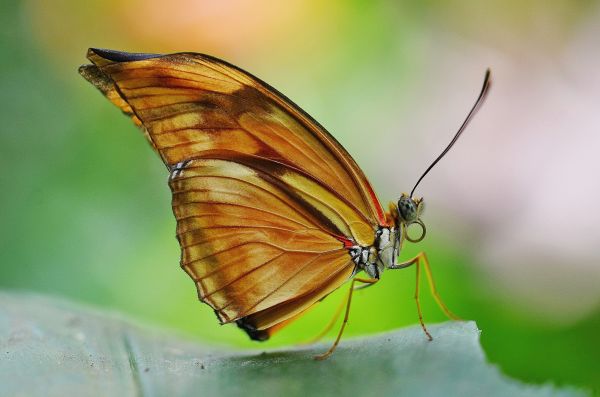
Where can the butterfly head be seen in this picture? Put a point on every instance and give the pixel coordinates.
(409, 212)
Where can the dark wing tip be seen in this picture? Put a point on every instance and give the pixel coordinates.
(253, 333)
(94, 75)
(86, 70)
(119, 56)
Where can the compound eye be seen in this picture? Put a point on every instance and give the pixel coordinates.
(407, 209)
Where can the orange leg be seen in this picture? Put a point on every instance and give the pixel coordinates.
(334, 319)
(329, 325)
(417, 262)
(348, 301)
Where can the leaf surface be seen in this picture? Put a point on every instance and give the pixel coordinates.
(52, 347)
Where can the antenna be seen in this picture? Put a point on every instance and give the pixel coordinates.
(484, 90)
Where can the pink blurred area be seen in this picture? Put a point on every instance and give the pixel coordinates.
(525, 177)
(392, 81)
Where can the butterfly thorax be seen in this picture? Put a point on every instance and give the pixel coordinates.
(375, 258)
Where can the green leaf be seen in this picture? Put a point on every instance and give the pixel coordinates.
(51, 347)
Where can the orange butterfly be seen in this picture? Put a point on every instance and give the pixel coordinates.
(272, 213)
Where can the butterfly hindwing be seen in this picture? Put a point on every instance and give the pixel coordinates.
(246, 243)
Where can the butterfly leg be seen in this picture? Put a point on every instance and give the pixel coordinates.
(348, 301)
(417, 262)
(364, 286)
(329, 325)
(335, 317)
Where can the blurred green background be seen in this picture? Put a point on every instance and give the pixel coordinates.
(85, 208)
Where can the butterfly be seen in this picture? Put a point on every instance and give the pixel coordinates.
(273, 214)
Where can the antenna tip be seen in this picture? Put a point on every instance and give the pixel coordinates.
(488, 77)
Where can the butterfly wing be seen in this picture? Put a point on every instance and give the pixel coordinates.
(266, 200)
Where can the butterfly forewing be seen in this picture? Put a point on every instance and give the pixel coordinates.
(190, 103)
